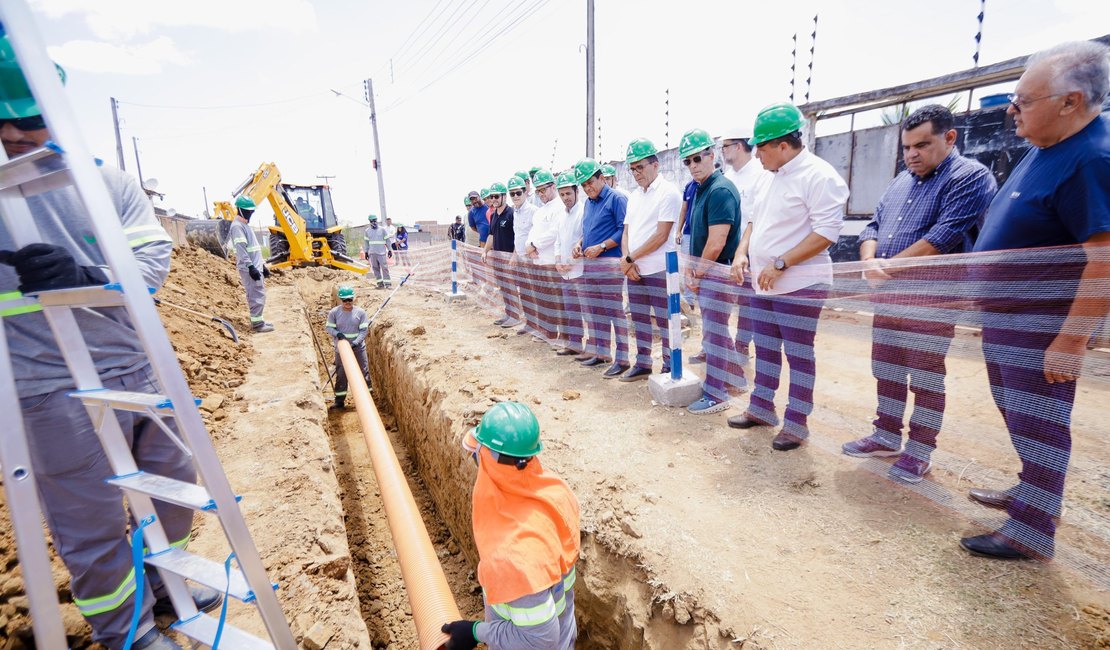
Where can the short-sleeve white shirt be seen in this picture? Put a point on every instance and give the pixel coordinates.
(660, 202)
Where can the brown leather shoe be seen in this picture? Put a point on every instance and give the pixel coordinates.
(992, 498)
(746, 421)
(785, 442)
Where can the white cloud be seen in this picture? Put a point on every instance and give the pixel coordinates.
(122, 19)
(140, 59)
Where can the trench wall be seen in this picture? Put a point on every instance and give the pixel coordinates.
(618, 605)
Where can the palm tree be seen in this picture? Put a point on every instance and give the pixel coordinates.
(898, 114)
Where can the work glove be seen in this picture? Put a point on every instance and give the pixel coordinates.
(462, 635)
(255, 275)
(265, 271)
(42, 267)
(389, 254)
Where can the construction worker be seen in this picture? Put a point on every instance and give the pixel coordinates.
(85, 514)
(526, 528)
(352, 323)
(377, 252)
(457, 230)
(248, 259)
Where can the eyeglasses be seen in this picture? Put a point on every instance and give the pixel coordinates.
(1018, 103)
(637, 168)
(694, 160)
(516, 193)
(33, 123)
(348, 300)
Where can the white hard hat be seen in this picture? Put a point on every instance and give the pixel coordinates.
(737, 133)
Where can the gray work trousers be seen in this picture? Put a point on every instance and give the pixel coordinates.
(86, 516)
(380, 264)
(256, 296)
(341, 373)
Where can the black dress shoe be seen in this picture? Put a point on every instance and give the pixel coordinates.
(584, 356)
(615, 370)
(785, 442)
(636, 374)
(566, 352)
(593, 361)
(992, 498)
(992, 545)
(745, 421)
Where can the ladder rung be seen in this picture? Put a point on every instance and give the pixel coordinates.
(126, 400)
(163, 488)
(105, 295)
(205, 571)
(202, 627)
(29, 166)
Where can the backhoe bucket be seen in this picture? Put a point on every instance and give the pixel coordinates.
(209, 234)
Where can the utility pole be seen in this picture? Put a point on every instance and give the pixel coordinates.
(590, 79)
(138, 165)
(207, 214)
(119, 142)
(369, 84)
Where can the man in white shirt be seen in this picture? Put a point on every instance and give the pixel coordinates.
(532, 195)
(568, 234)
(390, 234)
(747, 174)
(648, 224)
(539, 251)
(520, 270)
(786, 246)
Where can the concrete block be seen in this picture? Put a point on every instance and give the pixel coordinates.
(454, 297)
(669, 392)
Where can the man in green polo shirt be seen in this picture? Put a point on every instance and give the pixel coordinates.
(714, 233)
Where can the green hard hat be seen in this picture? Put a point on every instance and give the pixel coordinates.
(484, 193)
(694, 141)
(639, 149)
(245, 202)
(499, 188)
(16, 99)
(543, 177)
(466, 202)
(346, 291)
(532, 172)
(516, 183)
(522, 175)
(510, 428)
(776, 121)
(372, 217)
(608, 170)
(585, 169)
(566, 179)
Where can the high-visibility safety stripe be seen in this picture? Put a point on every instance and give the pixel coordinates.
(254, 249)
(181, 543)
(101, 604)
(12, 303)
(572, 577)
(528, 616)
(340, 393)
(364, 326)
(139, 235)
(256, 319)
(330, 324)
(240, 240)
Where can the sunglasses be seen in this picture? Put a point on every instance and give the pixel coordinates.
(516, 193)
(348, 300)
(496, 196)
(694, 160)
(33, 123)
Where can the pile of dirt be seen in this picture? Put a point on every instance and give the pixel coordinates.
(214, 367)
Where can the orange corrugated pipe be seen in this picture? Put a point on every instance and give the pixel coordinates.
(429, 595)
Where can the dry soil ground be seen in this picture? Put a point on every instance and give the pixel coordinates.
(743, 545)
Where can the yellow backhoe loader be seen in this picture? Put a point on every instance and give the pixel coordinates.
(307, 233)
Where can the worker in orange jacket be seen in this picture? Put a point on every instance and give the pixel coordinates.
(527, 533)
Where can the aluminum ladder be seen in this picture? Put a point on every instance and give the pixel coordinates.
(66, 162)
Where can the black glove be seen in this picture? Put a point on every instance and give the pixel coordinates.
(462, 635)
(42, 267)
(389, 254)
(265, 271)
(255, 275)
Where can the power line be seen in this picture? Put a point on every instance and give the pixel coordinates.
(434, 40)
(458, 33)
(420, 28)
(213, 107)
(531, 10)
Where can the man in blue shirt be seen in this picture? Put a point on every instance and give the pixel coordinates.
(1034, 340)
(477, 218)
(602, 228)
(928, 209)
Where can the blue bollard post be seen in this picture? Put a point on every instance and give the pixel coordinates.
(454, 267)
(674, 313)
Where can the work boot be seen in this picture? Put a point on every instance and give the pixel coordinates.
(205, 599)
(262, 328)
(340, 402)
(154, 640)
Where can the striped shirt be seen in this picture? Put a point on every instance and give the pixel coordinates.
(942, 207)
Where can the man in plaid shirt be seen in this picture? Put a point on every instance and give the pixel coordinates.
(930, 208)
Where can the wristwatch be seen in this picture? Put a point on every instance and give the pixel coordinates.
(604, 245)
(628, 258)
(780, 264)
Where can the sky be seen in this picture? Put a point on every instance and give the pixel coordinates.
(470, 91)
